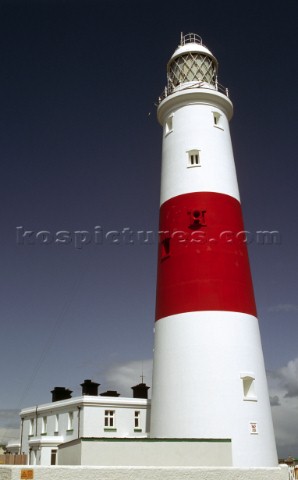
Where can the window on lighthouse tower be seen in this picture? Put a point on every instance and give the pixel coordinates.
(248, 383)
(165, 248)
(169, 125)
(217, 120)
(216, 117)
(194, 158)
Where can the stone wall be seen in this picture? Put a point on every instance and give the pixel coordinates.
(141, 473)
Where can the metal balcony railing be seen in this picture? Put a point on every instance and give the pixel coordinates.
(216, 86)
(190, 38)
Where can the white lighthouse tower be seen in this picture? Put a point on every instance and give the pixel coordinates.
(209, 378)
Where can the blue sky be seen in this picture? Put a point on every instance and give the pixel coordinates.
(80, 151)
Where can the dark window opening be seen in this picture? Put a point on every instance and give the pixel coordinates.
(194, 159)
(53, 457)
(197, 219)
(165, 247)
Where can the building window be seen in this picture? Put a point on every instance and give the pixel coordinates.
(33, 457)
(137, 421)
(56, 423)
(31, 426)
(193, 158)
(44, 425)
(169, 125)
(248, 384)
(53, 457)
(110, 419)
(70, 421)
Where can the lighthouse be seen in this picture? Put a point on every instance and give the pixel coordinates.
(209, 379)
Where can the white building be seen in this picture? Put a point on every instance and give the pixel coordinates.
(45, 428)
(105, 430)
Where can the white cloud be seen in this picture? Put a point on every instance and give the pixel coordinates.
(9, 417)
(9, 425)
(122, 377)
(9, 435)
(283, 387)
(285, 379)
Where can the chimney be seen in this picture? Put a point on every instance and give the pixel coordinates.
(60, 393)
(90, 388)
(110, 393)
(140, 390)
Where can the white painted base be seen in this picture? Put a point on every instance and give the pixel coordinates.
(146, 452)
(143, 473)
(200, 359)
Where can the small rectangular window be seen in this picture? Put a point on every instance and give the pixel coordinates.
(193, 158)
(137, 419)
(165, 247)
(31, 426)
(33, 457)
(248, 384)
(53, 457)
(56, 423)
(70, 421)
(109, 419)
(44, 425)
(217, 120)
(169, 125)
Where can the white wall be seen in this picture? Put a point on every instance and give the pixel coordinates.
(143, 473)
(147, 452)
(93, 421)
(193, 128)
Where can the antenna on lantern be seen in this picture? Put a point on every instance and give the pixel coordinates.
(142, 376)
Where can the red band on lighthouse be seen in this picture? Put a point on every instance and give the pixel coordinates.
(203, 261)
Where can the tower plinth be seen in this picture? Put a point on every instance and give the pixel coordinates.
(209, 377)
